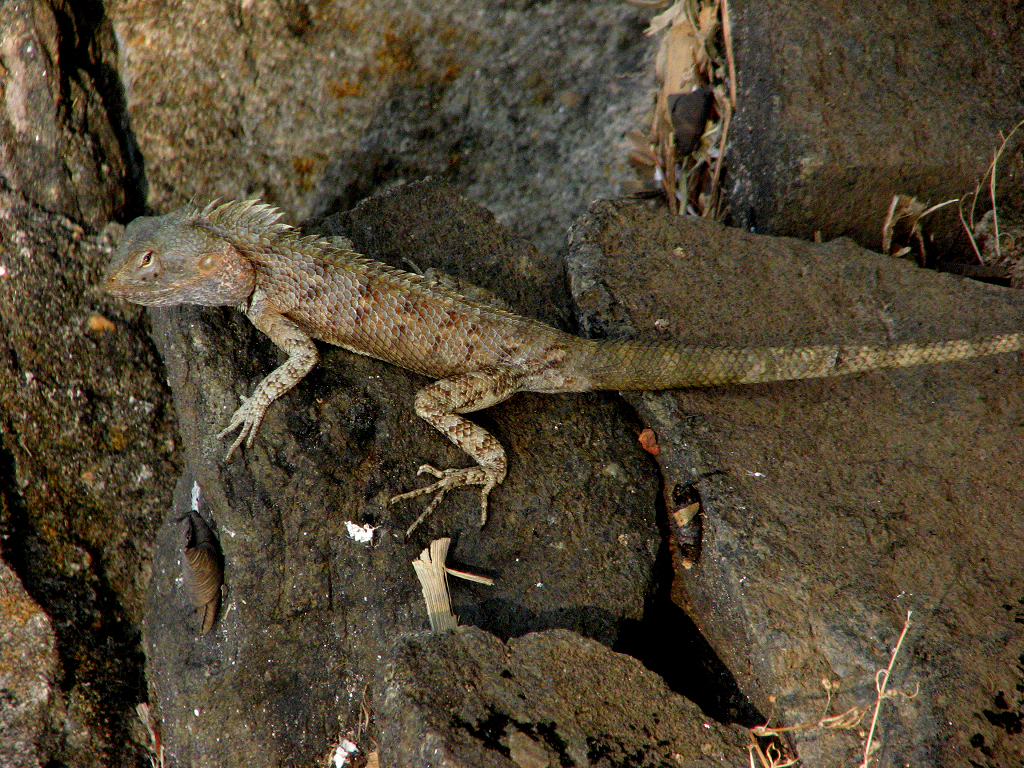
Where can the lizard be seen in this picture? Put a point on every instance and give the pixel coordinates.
(296, 288)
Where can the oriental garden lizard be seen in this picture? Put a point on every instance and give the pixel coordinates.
(298, 288)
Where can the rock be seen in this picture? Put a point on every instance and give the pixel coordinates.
(86, 441)
(308, 610)
(523, 106)
(831, 508)
(85, 434)
(842, 106)
(29, 666)
(464, 698)
(61, 139)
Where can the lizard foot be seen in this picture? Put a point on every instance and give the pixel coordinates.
(248, 417)
(448, 480)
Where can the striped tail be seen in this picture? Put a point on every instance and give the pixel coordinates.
(628, 365)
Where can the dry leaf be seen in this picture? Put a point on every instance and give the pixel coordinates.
(665, 18)
(901, 222)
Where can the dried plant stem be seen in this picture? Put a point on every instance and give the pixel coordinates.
(727, 37)
(992, 187)
(991, 176)
(430, 570)
(881, 682)
(716, 187)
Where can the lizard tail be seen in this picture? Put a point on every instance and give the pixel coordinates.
(628, 365)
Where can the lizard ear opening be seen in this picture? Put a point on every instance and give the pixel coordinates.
(208, 263)
(223, 276)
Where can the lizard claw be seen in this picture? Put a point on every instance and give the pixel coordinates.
(448, 480)
(248, 417)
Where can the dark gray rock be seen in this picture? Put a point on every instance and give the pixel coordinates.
(842, 106)
(831, 508)
(85, 464)
(29, 702)
(522, 105)
(309, 611)
(85, 437)
(464, 698)
(62, 143)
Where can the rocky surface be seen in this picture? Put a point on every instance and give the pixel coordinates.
(315, 106)
(28, 669)
(841, 107)
(832, 508)
(62, 143)
(523, 106)
(308, 610)
(545, 699)
(85, 462)
(86, 438)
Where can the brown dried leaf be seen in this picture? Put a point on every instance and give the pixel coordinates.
(902, 225)
(666, 17)
(677, 59)
(707, 20)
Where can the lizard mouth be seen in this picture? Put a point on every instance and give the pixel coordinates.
(147, 296)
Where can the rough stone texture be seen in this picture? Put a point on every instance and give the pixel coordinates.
(60, 140)
(308, 611)
(28, 668)
(547, 699)
(522, 105)
(841, 107)
(85, 438)
(85, 445)
(831, 508)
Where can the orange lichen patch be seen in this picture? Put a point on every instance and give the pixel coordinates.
(304, 167)
(116, 439)
(344, 87)
(451, 71)
(397, 54)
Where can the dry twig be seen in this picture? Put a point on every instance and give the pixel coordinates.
(881, 683)
(969, 223)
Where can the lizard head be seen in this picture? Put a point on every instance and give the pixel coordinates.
(166, 260)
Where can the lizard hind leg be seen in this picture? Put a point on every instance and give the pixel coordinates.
(440, 404)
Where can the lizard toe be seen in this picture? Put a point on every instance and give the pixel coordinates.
(448, 480)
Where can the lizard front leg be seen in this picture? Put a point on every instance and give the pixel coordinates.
(302, 356)
(440, 404)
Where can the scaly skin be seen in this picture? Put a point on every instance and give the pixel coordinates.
(296, 288)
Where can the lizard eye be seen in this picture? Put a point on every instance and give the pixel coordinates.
(147, 259)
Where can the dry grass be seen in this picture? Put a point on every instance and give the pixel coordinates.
(775, 756)
(989, 181)
(695, 54)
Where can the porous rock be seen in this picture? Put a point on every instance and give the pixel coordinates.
(832, 508)
(309, 610)
(464, 698)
